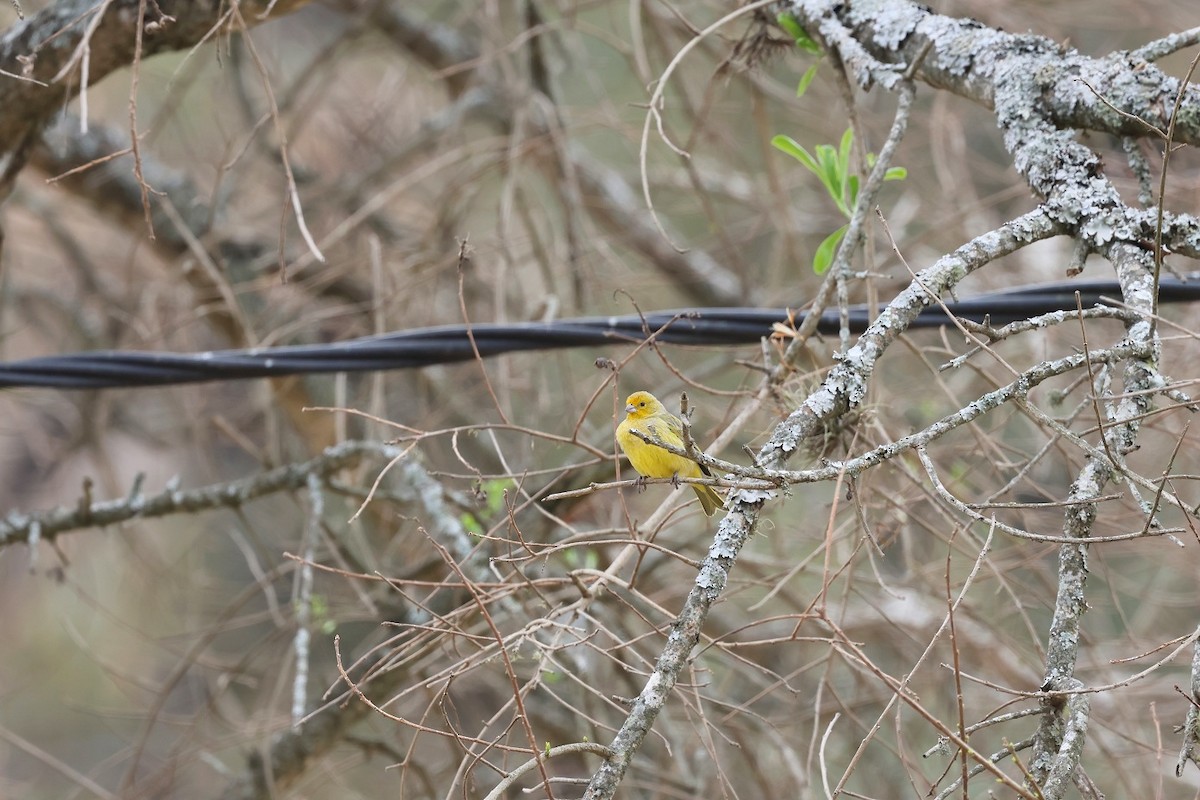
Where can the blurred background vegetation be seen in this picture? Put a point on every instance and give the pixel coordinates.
(154, 659)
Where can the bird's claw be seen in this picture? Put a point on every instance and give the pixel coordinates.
(675, 480)
(639, 483)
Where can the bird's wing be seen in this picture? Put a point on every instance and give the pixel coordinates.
(666, 428)
(675, 435)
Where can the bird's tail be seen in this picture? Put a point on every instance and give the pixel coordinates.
(710, 501)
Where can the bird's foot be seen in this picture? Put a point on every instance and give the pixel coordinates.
(639, 483)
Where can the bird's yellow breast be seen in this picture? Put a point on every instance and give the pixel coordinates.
(651, 461)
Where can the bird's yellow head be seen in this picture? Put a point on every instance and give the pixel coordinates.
(641, 405)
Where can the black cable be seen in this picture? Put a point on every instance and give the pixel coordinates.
(450, 343)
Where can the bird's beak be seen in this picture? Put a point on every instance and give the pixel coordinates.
(629, 409)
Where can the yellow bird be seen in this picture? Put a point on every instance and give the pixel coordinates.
(643, 413)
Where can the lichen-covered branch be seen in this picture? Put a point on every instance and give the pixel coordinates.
(88, 513)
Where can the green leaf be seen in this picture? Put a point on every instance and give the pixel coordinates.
(830, 175)
(823, 258)
(849, 184)
(494, 491)
(827, 158)
(844, 149)
(470, 523)
(832, 168)
(589, 560)
(792, 27)
(790, 146)
(809, 74)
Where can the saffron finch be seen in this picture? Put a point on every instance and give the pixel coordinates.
(645, 414)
